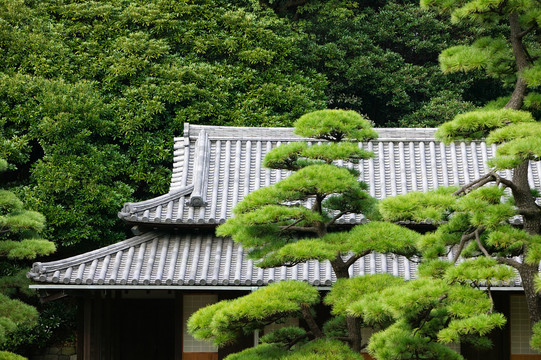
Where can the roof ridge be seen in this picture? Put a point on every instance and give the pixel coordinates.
(133, 207)
(192, 131)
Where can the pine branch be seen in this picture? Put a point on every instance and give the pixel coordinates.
(483, 180)
(336, 217)
(426, 313)
(311, 229)
(478, 240)
(352, 259)
(527, 31)
(475, 184)
(298, 338)
(513, 263)
(465, 238)
(489, 292)
(290, 225)
(314, 328)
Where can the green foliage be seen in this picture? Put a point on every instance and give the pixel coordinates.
(535, 341)
(56, 324)
(378, 63)
(260, 352)
(383, 237)
(283, 336)
(5, 355)
(439, 109)
(422, 310)
(533, 74)
(476, 125)
(433, 205)
(482, 271)
(396, 343)
(20, 228)
(317, 350)
(285, 157)
(14, 314)
(333, 151)
(421, 316)
(347, 291)
(19, 239)
(223, 322)
(335, 125)
(93, 109)
(276, 224)
(325, 350)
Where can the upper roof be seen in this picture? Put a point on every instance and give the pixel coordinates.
(215, 167)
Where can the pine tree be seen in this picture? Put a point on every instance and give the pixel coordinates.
(19, 239)
(294, 221)
(475, 217)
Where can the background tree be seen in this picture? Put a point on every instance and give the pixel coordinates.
(94, 92)
(92, 95)
(19, 239)
(293, 221)
(381, 59)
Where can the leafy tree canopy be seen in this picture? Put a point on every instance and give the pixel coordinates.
(92, 94)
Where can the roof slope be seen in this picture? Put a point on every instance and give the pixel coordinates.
(177, 259)
(215, 167)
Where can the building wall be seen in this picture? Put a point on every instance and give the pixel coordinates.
(66, 351)
(120, 325)
(520, 330)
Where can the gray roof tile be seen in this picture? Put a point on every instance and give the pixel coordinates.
(214, 168)
(162, 258)
(217, 166)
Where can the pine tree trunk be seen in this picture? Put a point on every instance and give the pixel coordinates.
(354, 328)
(528, 274)
(525, 202)
(354, 332)
(521, 60)
(531, 219)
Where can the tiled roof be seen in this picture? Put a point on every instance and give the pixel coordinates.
(168, 258)
(215, 167)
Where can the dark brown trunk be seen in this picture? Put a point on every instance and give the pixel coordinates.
(314, 328)
(528, 274)
(354, 332)
(525, 202)
(340, 268)
(521, 60)
(354, 327)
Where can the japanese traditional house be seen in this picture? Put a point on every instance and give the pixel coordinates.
(136, 295)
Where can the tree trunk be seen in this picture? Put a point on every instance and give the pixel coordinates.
(525, 202)
(353, 326)
(531, 219)
(521, 60)
(354, 332)
(528, 274)
(312, 325)
(339, 267)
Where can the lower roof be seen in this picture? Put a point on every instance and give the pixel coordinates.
(192, 260)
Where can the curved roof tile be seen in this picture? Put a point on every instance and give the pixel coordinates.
(198, 259)
(215, 167)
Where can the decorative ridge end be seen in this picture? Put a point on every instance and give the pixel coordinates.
(201, 170)
(37, 269)
(131, 208)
